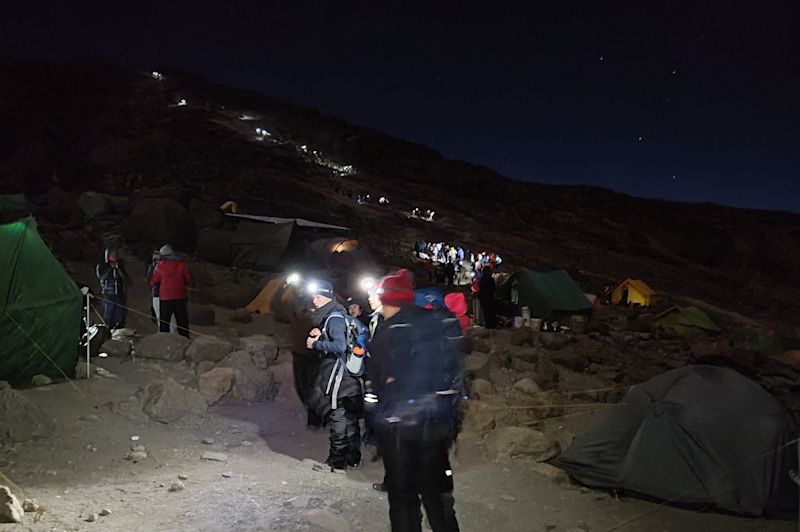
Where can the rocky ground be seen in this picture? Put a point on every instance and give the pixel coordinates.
(208, 435)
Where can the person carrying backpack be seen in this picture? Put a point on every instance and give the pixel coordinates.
(336, 395)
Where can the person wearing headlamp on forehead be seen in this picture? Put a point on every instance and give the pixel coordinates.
(416, 380)
(336, 394)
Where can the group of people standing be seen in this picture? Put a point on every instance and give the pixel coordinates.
(167, 274)
(399, 369)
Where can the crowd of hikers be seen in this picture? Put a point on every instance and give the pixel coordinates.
(453, 265)
(392, 357)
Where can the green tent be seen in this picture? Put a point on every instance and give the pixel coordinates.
(260, 246)
(40, 307)
(686, 321)
(13, 207)
(549, 295)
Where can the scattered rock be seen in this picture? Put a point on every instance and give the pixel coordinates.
(522, 336)
(246, 443)
(91, 518)
(104, 512)
(511, 442)
(554, 341)
(481, 346)
(116, 348)
(20, 419)
(177, 486)
(29, 505)
(227, 474)
(559, 476)
(252, 383)
(263, 349)
(208, 348)
(135, 456)
(241, 316)
(476, 361)
(482, 387)
(160, 220)
(4, 385)
(168, 402)
(509, 498)
(204, 366)
(480, 418)
(216, 457)
(41, 380)
(214, 384)
(526, 387)
(183, 477)
(11, 510)
(163, 346)
(138, 447)
(208, 441)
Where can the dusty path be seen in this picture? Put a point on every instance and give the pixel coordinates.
(268, 482)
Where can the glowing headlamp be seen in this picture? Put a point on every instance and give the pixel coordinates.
(293, 278)
(312, 288)
(367, 283)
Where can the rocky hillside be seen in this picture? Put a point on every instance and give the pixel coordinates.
(70, 128)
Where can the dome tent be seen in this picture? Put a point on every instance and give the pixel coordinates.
(697, 435)
(40, 307)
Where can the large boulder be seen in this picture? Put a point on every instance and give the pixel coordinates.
(514, 442)
(116, 348)
(554, 341)
(525, 388)
(163, 346)
(262, 348)
(476, 361)
(214, 384)
(160, 221)
(208, 348)
(20, 419)
(231, 295)
(482, 387)
(167, 401)
(252, 384)
(479, 418)
(522, 336)
(11, 510)
(214, 245)
(94, 204)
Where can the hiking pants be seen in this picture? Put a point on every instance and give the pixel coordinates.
(173, 324)
(417, 469)
(114, 311)
(345, 437)
(178, 308)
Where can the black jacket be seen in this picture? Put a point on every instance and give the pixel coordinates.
(112, 280)
(333, 382)
(414, 368)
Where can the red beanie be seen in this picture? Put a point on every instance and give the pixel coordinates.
(397, 289)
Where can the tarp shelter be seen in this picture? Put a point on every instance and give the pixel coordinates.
(549, 295)
(262, 303)
(14, 207)
(686, 321)
(338, 252)
(266, 242)
(697, 435)
(633, 291)
(40, 307)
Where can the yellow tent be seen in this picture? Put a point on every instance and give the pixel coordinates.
(262, 303)
(633, 291)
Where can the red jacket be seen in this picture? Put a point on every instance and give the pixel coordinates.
(172, 276)
(457, 304)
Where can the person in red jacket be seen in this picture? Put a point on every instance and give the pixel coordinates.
(172, 276)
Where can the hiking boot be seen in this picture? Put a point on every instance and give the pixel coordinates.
(354, 461)
(328, 468)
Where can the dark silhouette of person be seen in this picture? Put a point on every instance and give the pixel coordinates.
(488, 288)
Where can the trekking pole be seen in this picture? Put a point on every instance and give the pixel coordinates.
(88, 343)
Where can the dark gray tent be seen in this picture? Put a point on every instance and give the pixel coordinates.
(698, 435)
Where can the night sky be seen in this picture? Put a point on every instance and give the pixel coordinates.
(694, 101)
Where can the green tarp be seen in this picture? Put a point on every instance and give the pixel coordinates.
(686, 321)
(13, 207)
(40, 308)
(260, 246)
(550, 295)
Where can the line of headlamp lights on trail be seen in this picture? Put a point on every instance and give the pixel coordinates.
(366, 283)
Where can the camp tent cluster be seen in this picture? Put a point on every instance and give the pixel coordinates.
(40, 307)
(634, 292)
